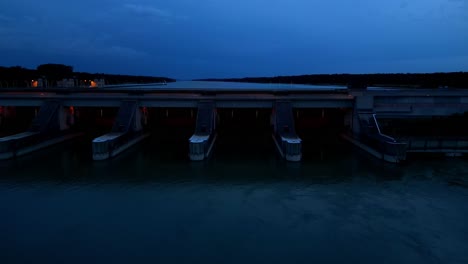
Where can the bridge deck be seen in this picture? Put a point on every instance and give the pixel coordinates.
(244, 95)
(112, 98)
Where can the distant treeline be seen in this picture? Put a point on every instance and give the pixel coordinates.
(423, 80)
(18, 76)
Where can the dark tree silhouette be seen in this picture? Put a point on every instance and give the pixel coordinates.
(55, 71)
(18, 76)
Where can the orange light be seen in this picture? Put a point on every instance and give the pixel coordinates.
(72, 110)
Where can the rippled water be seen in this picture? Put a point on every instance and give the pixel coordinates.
(152, 205)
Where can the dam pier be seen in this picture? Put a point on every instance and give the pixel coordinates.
(387, 123)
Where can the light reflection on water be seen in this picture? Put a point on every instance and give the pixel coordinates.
(152, 205)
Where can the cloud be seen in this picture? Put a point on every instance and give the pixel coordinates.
(153, 12)
(246, 37)
(148, 11)
(27, 36)
(4, 18)
(96, 47)
(124, 52)
(31, 19)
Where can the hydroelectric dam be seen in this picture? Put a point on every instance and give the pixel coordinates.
(386, 123)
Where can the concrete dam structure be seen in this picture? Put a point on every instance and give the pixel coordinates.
(126, 131)
(388, 124)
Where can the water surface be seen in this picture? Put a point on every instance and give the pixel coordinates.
(232, 86)
(153, 205)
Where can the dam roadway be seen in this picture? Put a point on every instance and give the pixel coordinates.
(244, 95)
(361, 109)
(183, 95)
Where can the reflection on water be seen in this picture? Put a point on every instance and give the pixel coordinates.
(151, 204)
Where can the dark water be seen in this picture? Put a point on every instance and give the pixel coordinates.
(151, 205)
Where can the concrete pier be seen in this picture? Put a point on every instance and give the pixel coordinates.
(365, 119)
(284, 132)
(51, 126)
(202, 141)
(369, 137)
(126, 132)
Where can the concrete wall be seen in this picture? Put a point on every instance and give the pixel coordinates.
(421, 105)
(66, 118)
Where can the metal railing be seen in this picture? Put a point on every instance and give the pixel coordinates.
(373, 136)
(425, 144)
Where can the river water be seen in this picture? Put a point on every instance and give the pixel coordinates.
(230, 86)
(152, 205)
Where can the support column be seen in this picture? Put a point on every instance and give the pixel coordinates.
(202, 141)
(363, 104)
(289, 145)
(126, 132)
(51, 126)
(366, 133)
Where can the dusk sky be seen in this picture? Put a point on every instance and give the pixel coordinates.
(224, 38)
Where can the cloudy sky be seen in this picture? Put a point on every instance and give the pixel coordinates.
(226, 38)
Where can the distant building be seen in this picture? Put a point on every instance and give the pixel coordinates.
(66, 83)
(39, 83)
(70, 83)
(97, 83)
